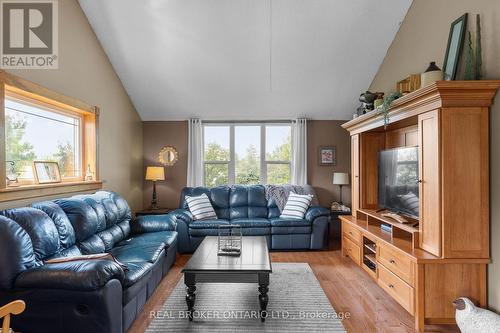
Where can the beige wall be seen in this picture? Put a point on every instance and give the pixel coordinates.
(422, 38)
(86, 74)
(174, 133)
(156, 135)
(328, 133)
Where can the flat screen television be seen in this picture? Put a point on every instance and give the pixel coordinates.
(398, 180)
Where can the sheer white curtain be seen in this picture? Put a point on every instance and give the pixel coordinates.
(195, 153)
(299, 151)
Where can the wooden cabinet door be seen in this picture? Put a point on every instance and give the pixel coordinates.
(430, 188)
(355, 173)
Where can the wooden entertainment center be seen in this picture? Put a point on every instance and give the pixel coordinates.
(445, 256)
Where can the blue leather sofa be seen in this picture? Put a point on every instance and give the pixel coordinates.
(84, 295)
(247, 206)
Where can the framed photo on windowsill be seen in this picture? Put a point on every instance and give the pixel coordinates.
(327, 156)
(46, 172)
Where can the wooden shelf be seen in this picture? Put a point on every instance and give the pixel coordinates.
(371, 258)
(406, 227)
(42, 190)
(371, 247)
(418, 255)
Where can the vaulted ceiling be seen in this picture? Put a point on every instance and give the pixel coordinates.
(245, 59)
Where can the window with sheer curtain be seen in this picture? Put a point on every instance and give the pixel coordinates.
(247, 153)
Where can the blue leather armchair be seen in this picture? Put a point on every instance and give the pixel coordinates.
(247, 206)
(82, 295)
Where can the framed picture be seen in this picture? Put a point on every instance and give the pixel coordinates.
(454, 47)
(46, 172)
(327, 156)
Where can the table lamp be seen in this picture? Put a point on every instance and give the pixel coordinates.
(154, 174)
(340, 179)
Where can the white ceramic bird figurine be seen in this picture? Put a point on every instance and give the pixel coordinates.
(472, 319)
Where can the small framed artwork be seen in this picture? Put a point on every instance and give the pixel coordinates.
(454, 47)
(327, 156)
(46, 172)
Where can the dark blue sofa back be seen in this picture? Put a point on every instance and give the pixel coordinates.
(237, 201)
(83, 224)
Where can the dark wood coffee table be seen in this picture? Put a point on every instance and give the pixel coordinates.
(252, 266)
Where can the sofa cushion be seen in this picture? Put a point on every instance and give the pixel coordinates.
(135, 271)
(166, 238)
(286, 226)
(16, 252)
(138, 250)
(82, 216)
(61, 221)
(207, 224)
(255, 222)
(289, 222)
(206, 227)
(247, 201)
(40, 228)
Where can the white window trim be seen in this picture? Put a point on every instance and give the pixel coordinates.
(232, 160)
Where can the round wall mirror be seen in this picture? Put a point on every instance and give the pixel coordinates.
(168, 155)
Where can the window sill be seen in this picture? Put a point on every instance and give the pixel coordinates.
(42, 190)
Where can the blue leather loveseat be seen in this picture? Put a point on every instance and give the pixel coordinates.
(83, 295)
(248, 207)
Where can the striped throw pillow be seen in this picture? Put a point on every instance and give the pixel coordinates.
(296, 206)
(200, 207)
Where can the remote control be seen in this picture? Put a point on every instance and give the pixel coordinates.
(396, 217)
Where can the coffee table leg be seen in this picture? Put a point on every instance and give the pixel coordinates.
(190, 282)
(263, 298)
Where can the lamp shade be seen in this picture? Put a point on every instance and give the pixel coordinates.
(155, 173)
(340, 178)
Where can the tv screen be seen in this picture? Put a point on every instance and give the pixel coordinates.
(398, 180)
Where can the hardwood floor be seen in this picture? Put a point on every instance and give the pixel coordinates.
(347, 286)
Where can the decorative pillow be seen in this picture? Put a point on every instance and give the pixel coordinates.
(200, 207)
(296, 206)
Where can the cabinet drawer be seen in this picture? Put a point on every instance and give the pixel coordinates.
(351, 232)
(397, 288)
(351, 250)
(397, 262)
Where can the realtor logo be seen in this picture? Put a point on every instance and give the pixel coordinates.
(29, 38)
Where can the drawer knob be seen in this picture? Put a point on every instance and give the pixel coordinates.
(392, 261)
(350, 232)
(391, 286)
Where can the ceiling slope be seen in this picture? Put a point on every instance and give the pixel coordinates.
(245, 59)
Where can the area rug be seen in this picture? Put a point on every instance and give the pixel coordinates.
(296, 304)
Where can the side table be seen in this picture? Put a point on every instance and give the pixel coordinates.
(158, 211)
(334, 225)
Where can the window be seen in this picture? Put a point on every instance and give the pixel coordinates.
(247, 154)
(35, 132)
(42, 125)
(216, 155)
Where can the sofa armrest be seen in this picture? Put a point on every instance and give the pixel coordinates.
(315, 212)
(154, 223)
(183, 215)
(184, 218)
(73, 275)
